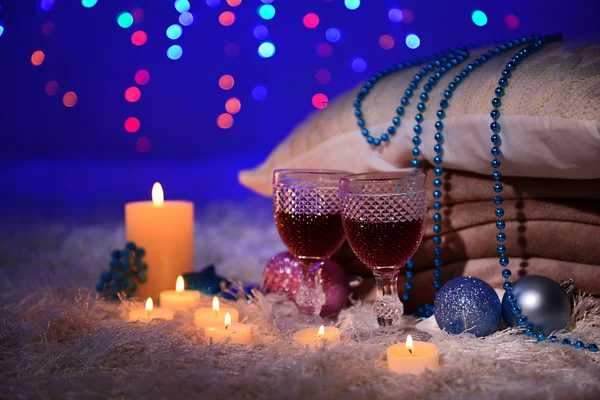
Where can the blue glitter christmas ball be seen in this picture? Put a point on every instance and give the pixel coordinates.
(467, 304)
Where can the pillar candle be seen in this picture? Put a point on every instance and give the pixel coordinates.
(316, 337)
(413, 357)
(165, 229)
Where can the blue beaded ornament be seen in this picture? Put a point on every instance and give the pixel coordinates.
(127, 271)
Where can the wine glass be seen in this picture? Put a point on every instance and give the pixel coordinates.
(307, 214)
(384, 216)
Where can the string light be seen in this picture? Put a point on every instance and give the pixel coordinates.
(407, 16)
(358, 64)
(69, 99)
(319, 101)
(324, 50)
(386, 42)
(234, 3)
(266, 11)
(225, 121)
(311, 20)
(259, 92)
(125, 20)
(46, 5)
(226, 82)
(47, 28)
(2, 28)
(233, 105)
(132, 124)
(226, 18)
(37, 58)
(182, 6)
(174, 52)
(479, 18)
(174, 32)
(352, 4)
(89, 3)
(333, 35)
(143, 144)
(395, 15)
(52, 88)
(512, 21)
(186, 19)
(139, 38)
(266, 49)
(142, 77)
(133, 94)
(260, 32)
(213, 3)
(412, 41)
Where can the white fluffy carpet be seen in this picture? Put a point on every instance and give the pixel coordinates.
(57, 340)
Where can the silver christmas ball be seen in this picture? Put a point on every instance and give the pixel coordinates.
(542, 300)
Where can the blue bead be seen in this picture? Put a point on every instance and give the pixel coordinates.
(507, 286)
(437, 284)
(116, 254)
(464, 73)
(495, 114)
(365, 132)
(358, 113)
(437, 194)
(100, 287)
(495, 163)
(437, 228)
(506, 274)
(429, 313)
(496, 102)
(404, 101)
(529, 331)
(439, 125)
(117, 276)
(418, 129)
(438, 171)
(410, 274)
(416, 140)
(440, 114)
(437, 75)
(495, 126)
(495, 138)
(553, 339)
(417, 78)
(437, 182)
(437, 239)
(421, 107)
(105, 276)
(437, 273)
(125, 265)
(506, 73)
(438, 262)
(457, 79)
(142, 276)
(447, 94)
(503, 82)
(522, 320)
(416, 151)
(405, 297)
(504, 261)
(501, 237)
(385, 137)
(541, 337)
(499, 212)
(498, 187)
(419, 118)
(500, 224)
(140, 252)
(130, 246)
(410, 264)
(499, 91)
(437, 251)
(510, 66)
(439, 137)
(437, 205)
(496, 175)
(501, 249)
(356, 103)
(408, 93)
(437, 160)
(593, 348)
(391, 130)
(566, 341)
(376, 142)
(400, 111)
(451, 86)
(424, 96)
(415, 163)
(511, 298)
(498, 200)
(370, 139)
(408, 285)
(126, 254)
(579, 344)
(114, 264)
(396, 121)
(364, 90)
(421, 310)
(427, 87)
(444, 103)
(361, 122)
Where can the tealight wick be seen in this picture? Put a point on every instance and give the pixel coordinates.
(409, 344)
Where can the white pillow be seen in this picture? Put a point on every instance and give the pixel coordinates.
(550, 127)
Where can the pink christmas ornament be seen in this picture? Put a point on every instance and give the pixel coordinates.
(283, 275)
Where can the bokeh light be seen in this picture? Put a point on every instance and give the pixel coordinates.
(311, 20)
(46, 5)
(479, 18)
(174, 52)
(333, 34)
(139, 38)
(47, 28)
(225, 121)
(231, 49)
(182, 5)
(407, 15)
(52, 88)
(259, 92)
(266, 11)
(138, 15)
(319, 101)
(89, 3)
(512, 21)
(234, 3)
(352, 4)
(143, 144)
(186, 19)
(132, 125)
(226, 82)
(358, 64)
(323, 76)
(386, 42)
(226, 18)
(142, 77)
(125, 20)
(324, 50)
(213, 3)
(266, 49)
(412, 41)
(233, 105)
(2, 29)
(395, 15)
(37, 58)
(133, 94)
(70, 99)
(174, 32)
(260, 32)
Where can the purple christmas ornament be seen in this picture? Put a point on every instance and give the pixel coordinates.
(283, 274)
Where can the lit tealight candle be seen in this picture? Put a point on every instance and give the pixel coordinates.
(210, 317)
(179, 299)
(232, 333)
(316, 337)
(413, 357)
(149, 313)
(165, 229)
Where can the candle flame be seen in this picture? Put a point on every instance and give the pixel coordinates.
(321, 332)
(227, 320)
(409, 342)
(149, 304)
(216, 305)
(158, 195)
(179, 285)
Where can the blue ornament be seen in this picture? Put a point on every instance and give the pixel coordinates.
(467, 304)
(126, 267)
(542, 300)
(206, 281)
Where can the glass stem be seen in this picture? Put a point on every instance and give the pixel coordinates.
(387, 307)
(310, 298)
